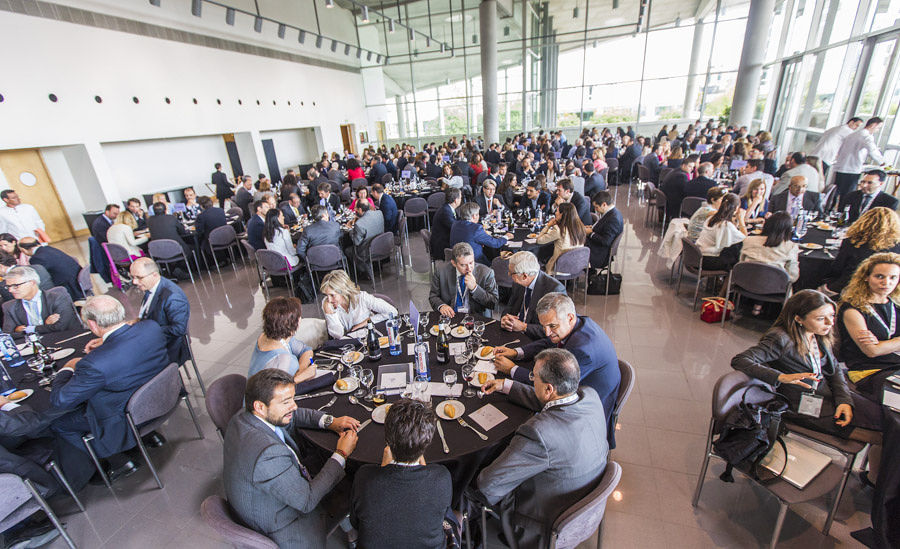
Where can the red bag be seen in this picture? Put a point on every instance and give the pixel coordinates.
(713, 308)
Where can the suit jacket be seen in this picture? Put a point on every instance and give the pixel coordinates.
(63, 269)
(223, 187)
(168, 227)
(17, 426)
(596, 356)
(288, 187)
(854, 200)
(264, 484)
(318, 234)
(209, 219)
(171, 310)
(482, 203)
(593, 184)
(811, 202)
(543, 285)
(255, 228)
(244, 199)
(99, 227)
(463, 230)
(674, 186)
(583, 206)
(388, 207)
(554, 459)
(440, 231)
(290, 218)
(651, 161)
(378, 171)
(53, 301)
(698, 187)
(444, 288)
(604, 231)
(106, 378)
(367, 227)
(542, 203)
(312, 199)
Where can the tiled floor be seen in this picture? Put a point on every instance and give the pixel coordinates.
(661, 435)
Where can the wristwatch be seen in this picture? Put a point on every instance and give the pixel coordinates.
(327, 420)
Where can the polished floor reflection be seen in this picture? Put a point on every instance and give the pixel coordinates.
(661, 435)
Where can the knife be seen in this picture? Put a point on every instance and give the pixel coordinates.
(443, 440)
(303, 397)
(363, 425)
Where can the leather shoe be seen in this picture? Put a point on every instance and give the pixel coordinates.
(153, 440)
(127, 469)
(33, 530)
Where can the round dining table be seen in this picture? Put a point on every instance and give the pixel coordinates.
(815, 264)
(467, 452)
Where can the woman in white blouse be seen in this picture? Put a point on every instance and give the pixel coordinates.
(565, 232)
(347, 308)
(722, 234)
(122, 233)
(774, 246)
(277, 238)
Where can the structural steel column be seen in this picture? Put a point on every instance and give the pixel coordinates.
(487, 15)
(690, 93)
(752, 57)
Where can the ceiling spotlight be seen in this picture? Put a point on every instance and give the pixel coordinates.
(281, 30)
(329, 3)
(615, 4)
(347, 49)
(678, 21)
(369, 56)
(358, 53)
(334, 45)
(575, 13)
(378, 59)
(390, 25)
(229, 16)
(257, 24)
(505, 31)
(302, 36)
(427, 41)
(412, 35)
(155, 3)
(196, 6)
(452, 53)
(365, 14)
(319, 40)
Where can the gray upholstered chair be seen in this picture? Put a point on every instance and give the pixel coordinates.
(500, 267)
(626, 385)
(757, 281)
(358, 182)
(436, 201)
(692, 261)
(416, 207)
(219, 516)
(426, 238)
(578, 522)
(19, 499)
(272, 263)
(166, 251)
(225, 398)
(223, 238)
(324, 258)
(84, 281)
(380, 248)
(573, 264)
(690, 204)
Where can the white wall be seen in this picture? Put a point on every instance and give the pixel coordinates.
(293, 147)
(66, 186)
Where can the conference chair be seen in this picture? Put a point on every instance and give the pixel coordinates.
(223, 238)
(84, 281)
(692, 261)
(358, 182)
(436, 201)
(573, 264)
(690, 204)
(380, 248)
(224, 399)
(626, 385)
(166, 251)
(251, 255)
(426, 238)
(38, 451)
(190, 348)
(324, 258)
(272, 263)
(220, 517)
(757, 281)
(19, 499)
(416, 207)
(576, 524)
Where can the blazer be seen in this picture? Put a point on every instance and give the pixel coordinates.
(103, 384)
(651, 162)
(596, 356)
(811, 202)
(171, 310)
(464, 230)
(168, 227)
(482, 203)
(244, 200)
(18, 425)
(675, 188)
(209, 219)
(554, 459)
(377, 171)
(542, 203)
(543, 285)
(593, 184)
(312, 199)
(388, 207)
(444, 287)
(603, 233)
(255, 228)
(583, 207)
(62, 267)
(223, 187)
(99, 227)
(264, 483)
(854, 200)
(53, 301)
(318, 234)
(698, 187)
(440, 231)
(290, 218)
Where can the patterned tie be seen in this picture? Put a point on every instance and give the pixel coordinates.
(461, 292)
(145, 305)
(525, 304)
(289, 442)
(867, 198)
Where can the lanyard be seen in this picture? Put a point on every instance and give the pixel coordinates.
(893, 325)
(814, 359)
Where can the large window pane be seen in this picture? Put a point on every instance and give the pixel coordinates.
(662, 99)
(610, 104)
(881, 57)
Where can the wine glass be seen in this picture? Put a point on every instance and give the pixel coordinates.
(468, 372)
(478, 330)
(469, 322)
(423, 325)
(450, 378)
(420, 387)
(367, 377)
(405, 319)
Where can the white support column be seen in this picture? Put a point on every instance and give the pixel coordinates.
(752, 58)
(487, 12)
(693, 72)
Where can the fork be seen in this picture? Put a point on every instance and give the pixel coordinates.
(330, 402)
(477, 432)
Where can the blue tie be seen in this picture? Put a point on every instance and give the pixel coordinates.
(280, 432)
(461, 292)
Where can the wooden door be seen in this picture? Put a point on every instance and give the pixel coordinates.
(347, 138)
(38, 191)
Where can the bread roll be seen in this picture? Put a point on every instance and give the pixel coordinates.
(342, 384)
(17, 395)
(482, 377)
(449, 410)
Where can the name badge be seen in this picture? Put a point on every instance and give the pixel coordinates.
(810, 404)
(462, 310)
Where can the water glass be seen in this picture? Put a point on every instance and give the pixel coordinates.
(423, 325)
(450, 377)
(478, 330)
(420, 388)
(367, 377)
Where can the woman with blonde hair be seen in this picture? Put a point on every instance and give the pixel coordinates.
(347, 308)
(754, 202)
(122, 233)
(163, 199)
(877, 230)
(565, 232)
(675, 158)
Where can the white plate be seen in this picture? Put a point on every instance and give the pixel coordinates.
(25, 349)
(458, 407)
(28, 393)
(811, 246)
(434, 330)
(489, 356)
(460, 332)
(352, 385)
(359, 357)
(378, 414)
(476, 383)
(62, 353)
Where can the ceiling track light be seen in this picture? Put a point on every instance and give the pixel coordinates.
(575, 13)
(302, 36)
(378, 60)
(319, 40)
(257, 24)
(390, 25)
(155, 3)
(347, 49)
(505, 31)
(365, 14)
(196, 7)
(358, 53)
(282, 28)
(229, 16)
(615, 4)
(412, 35)
(334, 45)
(329, 3)
(427, 41)
(369, 56)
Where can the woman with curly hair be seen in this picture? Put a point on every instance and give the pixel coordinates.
(877, 230)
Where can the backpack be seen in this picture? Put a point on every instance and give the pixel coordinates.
(750, 431)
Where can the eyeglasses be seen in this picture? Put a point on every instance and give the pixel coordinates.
(11, 286)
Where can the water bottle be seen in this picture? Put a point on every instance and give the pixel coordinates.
(11, 356)
(421, 360)
(393, 332)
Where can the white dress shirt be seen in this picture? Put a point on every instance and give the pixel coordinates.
(341, 321)
(146, 303)
(283, 245)
(20, 221)
(854, 150)
(828, 145)
(279, 432)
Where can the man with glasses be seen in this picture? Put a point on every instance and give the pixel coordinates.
(463, 286)
(33, 310)
(531, 284)
(868, 195)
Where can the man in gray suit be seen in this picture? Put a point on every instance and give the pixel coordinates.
(531, 284)
(320, 232)
(265, 482)
(367, 225)
(244, 197)
(462, 285)
(555, 458)
(9, 262)
(33, 309)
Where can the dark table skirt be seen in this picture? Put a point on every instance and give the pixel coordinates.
(40, 399)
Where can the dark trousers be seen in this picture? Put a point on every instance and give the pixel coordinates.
(845, 182)
(725, 260)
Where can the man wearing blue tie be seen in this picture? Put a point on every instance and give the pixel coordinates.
(531, 284)
(463, 286)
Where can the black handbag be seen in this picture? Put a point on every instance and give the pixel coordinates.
(597, 284)
(749, 432)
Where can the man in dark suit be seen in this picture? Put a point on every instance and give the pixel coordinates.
(578, 334)
(63, 268)
(531, 284)
(377, 171)
(266, 483)
(388, 207)
(651, 162)
(565, 192)
(325, 197)
(463, 286)
(492, 155)
(166, 226)
(593, 181)
(443, 223)
(223, 186)
(244, 197)
(796, 198)
(211, 217)
(631, 152)
(292, 209)
(21, 430)
(602, 234)
(33, 310)
(535, 199)
(467, 229)
(256, 224)
(98, 386)
(134, 206)
(868, 195)
(673, 186)
(701, 184)
(487, 199)
(555, 458)
(104, 221)
(321, 231)
(164, 303)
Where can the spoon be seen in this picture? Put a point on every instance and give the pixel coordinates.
(354, 400)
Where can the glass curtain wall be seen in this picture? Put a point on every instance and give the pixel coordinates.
(562, 64)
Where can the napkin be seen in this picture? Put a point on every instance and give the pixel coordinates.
(485, 366)
(441, 390)
(323, 379)
(832, 241)
(488, 417)
(531, 240)
(514, 244)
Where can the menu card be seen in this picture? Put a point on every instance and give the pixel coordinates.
(488, 417)
(441, 390)
(531, 240)
(393, 378)
(514, 244)
(457, 347)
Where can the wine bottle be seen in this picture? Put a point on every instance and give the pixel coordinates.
(443, 346)
(372, 345)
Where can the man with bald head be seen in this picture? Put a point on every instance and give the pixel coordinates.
(796, 198)
(96, 388)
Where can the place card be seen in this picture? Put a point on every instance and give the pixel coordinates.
(457, 347)
(531, 240)
(833, 241)
(411, 348)
(485, 366)
(441, 390)
(514, 244)
(488, 417)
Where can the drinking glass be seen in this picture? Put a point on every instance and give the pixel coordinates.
(469, 322)
(478, 330)
(423, 325)
(405, 319)
(468, 372)
(367, 377)
(450, 377)
(420, 386)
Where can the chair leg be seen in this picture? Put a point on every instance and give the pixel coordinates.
(65, 482)
(231, 256)
(697, 289)
(215, 261)
(205, 262)
(839, 493)
(140, 445)
(188, 265)
(190, 408)
(50, 514)
(468, 532)
(600, 535)
(87, 444)
(779, 522)
(705, 465)
(727, 295)
(484, 526)
(680, 275)
(194, 363)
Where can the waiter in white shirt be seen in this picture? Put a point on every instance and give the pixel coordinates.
(828, 145)
(852, 155)
(20, 220)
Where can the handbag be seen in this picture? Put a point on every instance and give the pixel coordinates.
(597, 284)
(714, 307)
(750, 431)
